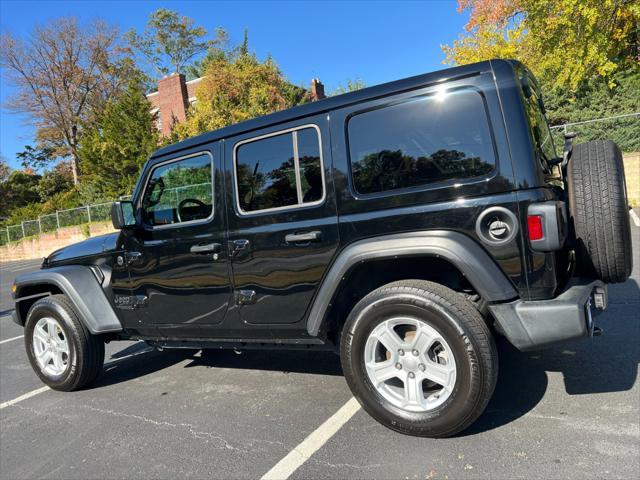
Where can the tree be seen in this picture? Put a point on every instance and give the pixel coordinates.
(169, 42)
(597, 99)
(117, 143)
(36, 157)
(57, 180)
(63, 73)
(352, 86)
(237, 87)
(564, 42)
(5, 169)
(18, 190)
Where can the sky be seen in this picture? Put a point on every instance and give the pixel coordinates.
(333, 41)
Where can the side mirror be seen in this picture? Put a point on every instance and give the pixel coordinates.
(122, 215)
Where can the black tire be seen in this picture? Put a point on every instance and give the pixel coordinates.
(460, 325)
(86, 351)
(599, 211)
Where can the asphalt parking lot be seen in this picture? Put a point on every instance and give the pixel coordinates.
(568, 412)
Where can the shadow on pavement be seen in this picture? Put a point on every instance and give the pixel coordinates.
(604, 364)
(289, 361)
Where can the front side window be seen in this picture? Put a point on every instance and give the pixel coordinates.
(279, 171)
(178, 192)
(420, 141)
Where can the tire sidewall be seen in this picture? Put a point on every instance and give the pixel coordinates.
(465, 396)
(51, 308)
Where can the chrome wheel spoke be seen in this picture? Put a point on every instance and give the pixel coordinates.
(52, 328)
(413, 392)
(422, 340)
(43, 358)
(383, 371)
(389, 338)
(439, 373)
(40, 335)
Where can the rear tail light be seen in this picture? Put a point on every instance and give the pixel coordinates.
(536, 232)
(547, 225)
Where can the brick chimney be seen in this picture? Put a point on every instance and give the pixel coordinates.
(173, 101)
(316, 90)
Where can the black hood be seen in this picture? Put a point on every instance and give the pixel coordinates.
(90, 247)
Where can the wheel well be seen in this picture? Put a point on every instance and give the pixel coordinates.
(368, 276)
(29, 290)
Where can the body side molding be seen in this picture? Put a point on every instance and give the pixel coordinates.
(84, 291)
(478, 267)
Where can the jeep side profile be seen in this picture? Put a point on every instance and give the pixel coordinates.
(402, 226)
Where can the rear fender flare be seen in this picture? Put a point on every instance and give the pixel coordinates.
(460, 250)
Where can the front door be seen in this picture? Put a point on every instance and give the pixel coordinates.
(283, 227)
(177, 261)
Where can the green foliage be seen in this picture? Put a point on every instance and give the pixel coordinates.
(564, 42)
(59, 201)
(36, 157)
(54, 181)
(116, 145)
(237, 87)
(595, 99)
(5, 169)
(19, 189)
(170, 41)
(352, 85)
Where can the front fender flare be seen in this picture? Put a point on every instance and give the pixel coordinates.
(467, 255)
(80, 285)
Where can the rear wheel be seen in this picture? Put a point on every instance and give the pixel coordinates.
(419, 358)
(600, 211)
(60, 349)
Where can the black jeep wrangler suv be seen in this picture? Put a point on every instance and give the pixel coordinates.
(402, 225)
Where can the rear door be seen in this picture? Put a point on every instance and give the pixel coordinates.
(283, 228)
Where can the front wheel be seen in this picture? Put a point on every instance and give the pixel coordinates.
(419, 358)
(61, 350)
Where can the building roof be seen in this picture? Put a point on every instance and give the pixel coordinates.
(331, 103)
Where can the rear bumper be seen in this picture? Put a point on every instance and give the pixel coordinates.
(530, 325)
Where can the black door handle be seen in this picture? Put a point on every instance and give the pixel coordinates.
(206, 248)
(303, 237)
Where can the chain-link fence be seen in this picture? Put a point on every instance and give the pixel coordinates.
(622, 129)
(87, 214)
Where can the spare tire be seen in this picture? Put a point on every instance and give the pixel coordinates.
(599, 211)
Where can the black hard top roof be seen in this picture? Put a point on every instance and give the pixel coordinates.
(331, 103)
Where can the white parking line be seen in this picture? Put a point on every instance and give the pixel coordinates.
(310, 445)
(11, 339)
(634, 217)
(30, 394)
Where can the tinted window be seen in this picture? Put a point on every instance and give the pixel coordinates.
(539, 128)
(178, 192)
(266, 171)
(430, 139)
(310, 168)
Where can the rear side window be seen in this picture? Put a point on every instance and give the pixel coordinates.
(420, 141)
(279, 171)
(539, 128)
